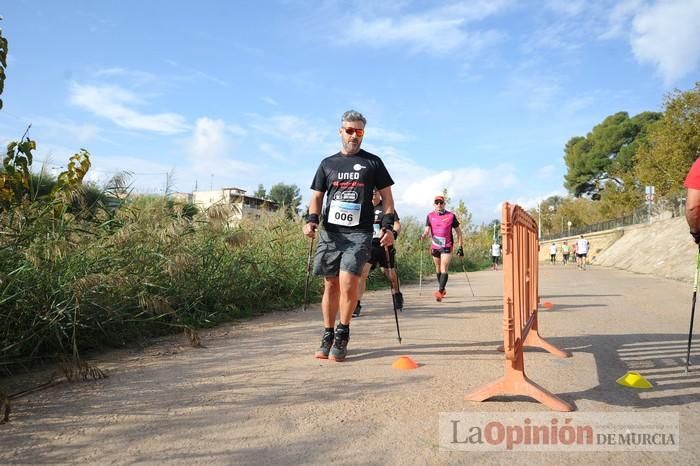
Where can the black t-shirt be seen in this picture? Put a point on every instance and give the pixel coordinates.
(348, 181)
(378, 216)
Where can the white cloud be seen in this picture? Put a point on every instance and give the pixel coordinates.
(296, 131)
(531, 202)
(438, 31)
(556, 36)
(272, 151)
(134, 76)
(235, 129)
(144, 176)
(660, 33)
(546, 172)
(191, 74)
(619, 17)
(567, 7)
(269, 100)
(381, 135)
(113, 103)
(82, 133)
(666, 35)
(211, 150)
(576, 104)
(536, 90)
(481, 188)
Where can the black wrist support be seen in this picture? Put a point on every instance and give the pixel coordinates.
(388, 222)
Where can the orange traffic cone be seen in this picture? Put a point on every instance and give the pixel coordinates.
(405, 363)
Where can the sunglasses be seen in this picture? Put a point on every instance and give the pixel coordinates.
(351, 131)
(439, 202)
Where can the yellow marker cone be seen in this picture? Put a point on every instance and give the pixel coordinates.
(405, 363)
(634, 380)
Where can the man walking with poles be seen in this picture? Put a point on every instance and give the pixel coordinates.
(439, 225)
(347, 179)
(379, 256)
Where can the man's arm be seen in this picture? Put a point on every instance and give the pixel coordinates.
(459, 237)
(315, 205)
(387, 200)
(388, 206)
(460, 251)
(692, 211)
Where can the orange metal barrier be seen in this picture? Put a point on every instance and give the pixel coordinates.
(520, 300)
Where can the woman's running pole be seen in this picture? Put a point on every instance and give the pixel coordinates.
(692, 310)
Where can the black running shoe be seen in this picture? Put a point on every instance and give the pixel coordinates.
(399, 301)
(358, 309)
(325, 348)
(340, 345)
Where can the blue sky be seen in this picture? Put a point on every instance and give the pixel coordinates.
(478, 97)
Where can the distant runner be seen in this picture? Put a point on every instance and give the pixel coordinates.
(553, 254)
(565, 252)
(495, 255)
(439, 225)
(581, 252)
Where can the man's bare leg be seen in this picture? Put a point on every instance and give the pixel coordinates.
(329, 303)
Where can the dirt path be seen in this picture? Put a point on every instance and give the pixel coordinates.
(255, 395)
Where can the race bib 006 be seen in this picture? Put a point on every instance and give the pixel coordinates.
(344, 213)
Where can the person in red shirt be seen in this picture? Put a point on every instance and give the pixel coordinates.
(692, 201)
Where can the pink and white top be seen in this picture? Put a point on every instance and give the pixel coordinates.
(441, 225)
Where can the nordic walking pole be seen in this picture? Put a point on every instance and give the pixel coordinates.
(396, 275)
(692, 310)
(308, 272)
(420, 267)
(467, 275)
(393, 294)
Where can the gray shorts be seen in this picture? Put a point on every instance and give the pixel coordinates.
(348, 252)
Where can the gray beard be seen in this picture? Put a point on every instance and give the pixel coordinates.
(346, 148)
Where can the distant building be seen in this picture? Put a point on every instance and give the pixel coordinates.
(183, 197)
(243, 206)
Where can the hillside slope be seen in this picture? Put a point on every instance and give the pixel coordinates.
(664, 248)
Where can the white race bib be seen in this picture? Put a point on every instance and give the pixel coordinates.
(344, 213)
(439, 241)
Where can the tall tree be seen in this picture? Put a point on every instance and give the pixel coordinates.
(557, 212)
(260, 193)
(447, 198)
(464, 217)
(606, 154)
(286, 196)
(673, 145)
